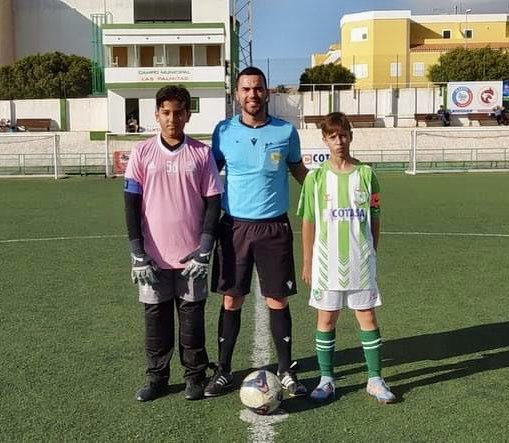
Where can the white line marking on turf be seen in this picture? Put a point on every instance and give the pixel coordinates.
(105, 236)
(261, 430)
(77, 237)
(260, 356)
(445, 234)
(439, 234)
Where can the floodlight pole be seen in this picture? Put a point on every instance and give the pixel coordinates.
(468, 11)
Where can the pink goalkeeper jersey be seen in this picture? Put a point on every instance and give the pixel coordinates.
(173, 184)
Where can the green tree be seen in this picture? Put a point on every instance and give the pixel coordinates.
(50, 75)
(463, 64)
(323, 75)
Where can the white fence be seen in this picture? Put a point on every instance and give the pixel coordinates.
(391, 107)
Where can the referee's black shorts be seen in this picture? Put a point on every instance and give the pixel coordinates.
(267, 243)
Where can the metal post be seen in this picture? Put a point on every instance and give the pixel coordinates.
(468, 11)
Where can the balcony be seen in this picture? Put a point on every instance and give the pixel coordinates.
(145, 64)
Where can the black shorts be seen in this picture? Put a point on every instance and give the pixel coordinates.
(268, 244)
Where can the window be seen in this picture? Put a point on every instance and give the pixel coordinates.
(162, 10)
(359, 34)
(395, 69)
(469, 33)
(419, 69)
(186, 56)
(119, 56)
(147, 56)
(207, 55)
(446, 33)
(195, 105)
(359, 70)
(214, 55)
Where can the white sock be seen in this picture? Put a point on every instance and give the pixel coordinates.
(324, 379)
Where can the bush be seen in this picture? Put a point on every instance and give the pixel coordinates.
(50, 75)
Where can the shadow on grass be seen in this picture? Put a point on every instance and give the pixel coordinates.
(434, 347)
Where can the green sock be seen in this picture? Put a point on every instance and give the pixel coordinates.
(325, 344)
(371, 344)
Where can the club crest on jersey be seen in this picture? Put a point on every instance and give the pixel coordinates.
(190, 167)
(360, 197)
(275, 157)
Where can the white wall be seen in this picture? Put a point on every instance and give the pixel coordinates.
(62, 25)
(87, 114)
(116, 112)
(48, 108)
(212, 110)
(5, 110)
(210, 11)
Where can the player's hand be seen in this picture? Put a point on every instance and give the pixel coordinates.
(306, 274)
(143, 269)
(197, 264)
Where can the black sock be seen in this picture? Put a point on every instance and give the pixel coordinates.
(281, 328)
(228, 331)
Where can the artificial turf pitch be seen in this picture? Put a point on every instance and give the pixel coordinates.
(72, 331)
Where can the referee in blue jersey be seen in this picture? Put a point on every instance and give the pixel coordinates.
(256, 151)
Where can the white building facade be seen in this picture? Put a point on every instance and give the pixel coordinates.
(137, 47)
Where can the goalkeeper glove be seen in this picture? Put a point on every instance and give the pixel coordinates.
(198, 265)
(143, 269)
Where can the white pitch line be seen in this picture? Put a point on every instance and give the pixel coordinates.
(78, 237)
(439, 234)
(261, 426)
(260, 356)
(445, 234)
(105, 236)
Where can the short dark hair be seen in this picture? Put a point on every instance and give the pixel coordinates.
(334, 122)
(252, 70)
(173, 93)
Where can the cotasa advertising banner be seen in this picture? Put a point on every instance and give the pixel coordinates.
(465, 97)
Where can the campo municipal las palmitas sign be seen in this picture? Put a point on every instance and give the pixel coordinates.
(164, 75)
(466, 97)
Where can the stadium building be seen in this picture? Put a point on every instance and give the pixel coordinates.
(136, 47)
(395, 48)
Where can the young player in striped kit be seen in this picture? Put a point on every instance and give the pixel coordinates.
(340, 208)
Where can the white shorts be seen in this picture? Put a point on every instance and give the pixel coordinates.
(336, 300)
(171, 284)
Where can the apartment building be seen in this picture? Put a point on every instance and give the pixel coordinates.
(396, 49)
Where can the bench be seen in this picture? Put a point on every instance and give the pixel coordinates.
(355, 119)
(34, 124)
(483, 118)
(427, 118)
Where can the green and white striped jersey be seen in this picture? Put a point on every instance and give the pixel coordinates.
(341, 206)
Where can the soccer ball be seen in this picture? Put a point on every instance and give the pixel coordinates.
(261, 392)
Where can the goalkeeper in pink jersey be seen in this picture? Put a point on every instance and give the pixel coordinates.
(172, 197)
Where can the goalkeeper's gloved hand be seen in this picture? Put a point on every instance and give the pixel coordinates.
(198, 260)
(143, 267)
(197, 264)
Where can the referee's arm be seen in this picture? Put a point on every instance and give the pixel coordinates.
(298, 170)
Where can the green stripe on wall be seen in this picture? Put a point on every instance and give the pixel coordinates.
(63, 115)
(163, 25)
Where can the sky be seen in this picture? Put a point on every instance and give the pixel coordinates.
(287, 32)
